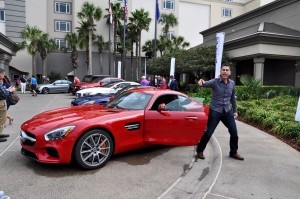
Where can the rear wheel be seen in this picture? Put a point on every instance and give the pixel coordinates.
(94, 149)
(45, 90)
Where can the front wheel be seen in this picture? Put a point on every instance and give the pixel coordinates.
(45, 90)
(93, 149)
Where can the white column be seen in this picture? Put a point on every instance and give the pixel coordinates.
(259, 68)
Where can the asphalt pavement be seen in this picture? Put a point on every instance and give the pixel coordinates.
(270, 169)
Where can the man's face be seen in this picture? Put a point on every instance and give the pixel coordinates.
(225, 72)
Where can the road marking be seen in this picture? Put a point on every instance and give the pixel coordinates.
(18, 136)
(215, 180)
(221, 196)
(9, 146)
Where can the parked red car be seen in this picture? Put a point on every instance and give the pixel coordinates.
(90, 81)
(92, 134)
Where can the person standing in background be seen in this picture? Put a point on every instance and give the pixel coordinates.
(144, 81)
(33, 85)
(23, 84)
(7, 84)
(3, 110)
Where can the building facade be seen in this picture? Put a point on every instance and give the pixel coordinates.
(264, 43)
(57, 18)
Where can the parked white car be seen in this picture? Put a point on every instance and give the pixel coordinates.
(106, 89)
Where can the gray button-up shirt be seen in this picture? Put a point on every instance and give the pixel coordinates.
(223, 95)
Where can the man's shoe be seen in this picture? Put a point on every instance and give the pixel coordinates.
(4, 136)
(200, 155)
(3, 140)
(236, 156)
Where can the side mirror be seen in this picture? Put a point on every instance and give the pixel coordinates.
(54, 83)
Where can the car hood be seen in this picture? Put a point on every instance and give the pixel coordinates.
(69, 116)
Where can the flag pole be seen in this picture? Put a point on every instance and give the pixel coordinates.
(155, 31)
(124, 38)
(109, 39)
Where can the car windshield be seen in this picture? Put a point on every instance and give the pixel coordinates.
(87, 78)
(130, 101)
(126, 88)
(109, 85)
(97, 79)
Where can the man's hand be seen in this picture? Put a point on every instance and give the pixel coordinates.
(11, 89)
(201, 82)
(235, 115)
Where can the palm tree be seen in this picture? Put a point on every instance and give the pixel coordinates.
(31, 34)
(83, 41)
(139, 21)
(118, 15)
(99, 41)
(72, 41)
(89, 13)
(45, 45)
(177, 44)
(149, 48)
(167, 20)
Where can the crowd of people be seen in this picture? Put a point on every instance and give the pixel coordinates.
(160, 82)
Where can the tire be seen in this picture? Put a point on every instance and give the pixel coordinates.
(45, 90)
(94, 149)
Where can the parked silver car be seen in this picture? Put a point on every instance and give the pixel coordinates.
(59, 86)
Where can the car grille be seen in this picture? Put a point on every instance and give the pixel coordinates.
(29, 154)
(27, 138)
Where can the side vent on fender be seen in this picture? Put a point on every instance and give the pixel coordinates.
(132, 126)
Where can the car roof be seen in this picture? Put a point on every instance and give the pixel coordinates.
(154, 90)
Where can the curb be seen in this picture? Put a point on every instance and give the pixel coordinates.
(198, 180)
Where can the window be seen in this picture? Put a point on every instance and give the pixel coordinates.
(61, 43)
(169, 4)
(170, 35)
(226, 12)
(63, 26)
(61, 7)
(2, 15)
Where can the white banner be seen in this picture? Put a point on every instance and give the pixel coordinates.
(172, 67)
(119, 69)
(219, 52)
(297, 116)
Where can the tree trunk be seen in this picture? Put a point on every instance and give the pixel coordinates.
(44, 67)
(137, 59)
(131, 62)
(33, 63)
(140, 52)
(90, 67)
(100, 62)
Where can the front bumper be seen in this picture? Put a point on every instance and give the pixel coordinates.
(40, 150)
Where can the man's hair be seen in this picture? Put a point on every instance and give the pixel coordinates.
(225, 66)
(2, 70)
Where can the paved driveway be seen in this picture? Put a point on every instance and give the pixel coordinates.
(141, 174)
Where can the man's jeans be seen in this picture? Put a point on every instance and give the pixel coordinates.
(228, 120)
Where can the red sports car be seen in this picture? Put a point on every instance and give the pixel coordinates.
(91, 134)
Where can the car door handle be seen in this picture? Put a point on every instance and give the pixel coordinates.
(191, 118)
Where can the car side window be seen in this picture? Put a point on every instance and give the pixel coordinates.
(190, 105)
(172, 103)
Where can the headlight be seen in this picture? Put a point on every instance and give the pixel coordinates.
(59, 133)
(89, 102)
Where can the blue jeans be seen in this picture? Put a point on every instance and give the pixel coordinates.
(228, 120)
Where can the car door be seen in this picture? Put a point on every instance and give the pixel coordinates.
(182, 124)
(65, 86)
(59, 86)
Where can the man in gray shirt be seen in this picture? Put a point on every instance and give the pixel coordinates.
(222, 108)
